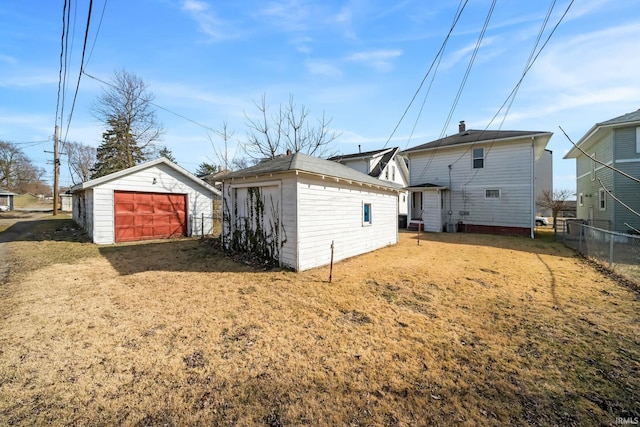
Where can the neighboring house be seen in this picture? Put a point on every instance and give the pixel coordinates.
(6, 200)
(611, 144)
(386, 164)
(152, 200)
(544, 180)
(478, 181)
(292, 209)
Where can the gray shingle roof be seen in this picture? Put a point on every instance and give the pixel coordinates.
(304, 163)
(358, 155)
(625, 118)
(473, 136)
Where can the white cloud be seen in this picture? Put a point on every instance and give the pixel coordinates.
(322, 68)
(208, 22)
(289, 15)
(378, 59)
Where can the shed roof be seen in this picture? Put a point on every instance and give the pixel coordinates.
(473, 136)
(309, 164)
(142, 166)
(362, 155)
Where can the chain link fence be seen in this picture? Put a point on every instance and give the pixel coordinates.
(617, 251)
(203, 225)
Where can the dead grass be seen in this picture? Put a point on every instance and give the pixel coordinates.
(481, 330)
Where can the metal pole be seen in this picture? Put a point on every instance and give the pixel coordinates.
(331, 265)
(56, 162)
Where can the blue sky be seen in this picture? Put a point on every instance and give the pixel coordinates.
(360, 62)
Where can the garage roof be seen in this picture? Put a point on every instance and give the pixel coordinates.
(309, 164)
(160, 160)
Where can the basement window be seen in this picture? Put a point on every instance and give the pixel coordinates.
(581, 199)
(478, 158)
(492, 193)
(366, 214)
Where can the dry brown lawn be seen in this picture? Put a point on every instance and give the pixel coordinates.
(470, 329)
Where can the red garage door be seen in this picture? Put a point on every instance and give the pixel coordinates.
(140, 216)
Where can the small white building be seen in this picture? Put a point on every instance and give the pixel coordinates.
(292, 208)
(153, 200)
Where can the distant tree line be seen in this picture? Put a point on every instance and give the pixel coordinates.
(18, 174)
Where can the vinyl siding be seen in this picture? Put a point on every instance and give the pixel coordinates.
(331, 211)
(627, 190)
(507, 167)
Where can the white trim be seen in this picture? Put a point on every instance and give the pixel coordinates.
(474, 158)
(581, 199)
(594, 167)
(628, 160)
(602, 197)
(255, 184)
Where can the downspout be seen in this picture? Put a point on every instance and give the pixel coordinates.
(532, 217)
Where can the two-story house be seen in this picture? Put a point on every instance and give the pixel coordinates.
(482, 181)
(609, 147)
(386, 164)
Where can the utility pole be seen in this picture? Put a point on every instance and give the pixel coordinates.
(56, 163)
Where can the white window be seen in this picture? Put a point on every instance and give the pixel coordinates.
(366, 214)
(478, 158)
(603, 200)
(581, 199)
(492, 193)
(593, 167)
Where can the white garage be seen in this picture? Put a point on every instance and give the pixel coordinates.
(292, 208)
(153, 200)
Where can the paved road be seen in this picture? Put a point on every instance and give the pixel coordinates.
(19, 224)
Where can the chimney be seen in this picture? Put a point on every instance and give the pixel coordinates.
(288, 152)
(461, 127)
(359, 150)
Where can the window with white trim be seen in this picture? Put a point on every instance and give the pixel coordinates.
(492, 193)
(581, 199)
(366, 214)
(602, 200)
(478, 158)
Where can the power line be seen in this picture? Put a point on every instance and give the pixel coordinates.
(442, 47)
(95, 39)
(84, 47)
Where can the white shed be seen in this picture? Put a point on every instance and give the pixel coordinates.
(290, 210)
(153, 200)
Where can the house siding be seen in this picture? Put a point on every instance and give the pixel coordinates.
(331, 211)
(625, 189)
(507, 167)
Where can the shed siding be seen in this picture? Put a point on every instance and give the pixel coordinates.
(331, 211)
(507, 167)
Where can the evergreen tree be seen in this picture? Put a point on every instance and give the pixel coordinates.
(205, 169)
(166, 153)
(118, 150)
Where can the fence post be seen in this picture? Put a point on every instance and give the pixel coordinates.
(611, 236)
(581, 232)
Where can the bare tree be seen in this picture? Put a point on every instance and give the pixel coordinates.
(127, 101)
(221, 154)
(18, 173)
(81, 159)
(555, 201)
(287, 129)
